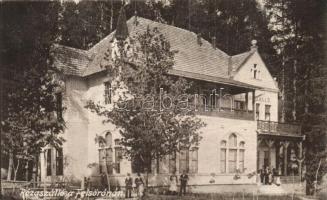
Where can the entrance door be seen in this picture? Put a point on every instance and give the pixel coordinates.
(266, 159)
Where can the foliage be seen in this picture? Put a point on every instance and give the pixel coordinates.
(148, 131)
(297, 29)
(29, 122)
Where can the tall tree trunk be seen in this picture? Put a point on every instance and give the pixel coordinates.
(10, 165)
(16, 169)
(283, 114)
(294, 89)
(306, 101)
(111, 16)
(26, 170)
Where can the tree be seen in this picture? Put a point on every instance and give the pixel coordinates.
(298, 37)
(149, 130)
(29, 123)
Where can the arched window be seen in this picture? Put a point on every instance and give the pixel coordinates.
(232, 140)
(108, 139)
(232, 155)
(241, 156)
(223, 151)
(105, 155)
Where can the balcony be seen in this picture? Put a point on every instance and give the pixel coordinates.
(225, 113)
(276, 128)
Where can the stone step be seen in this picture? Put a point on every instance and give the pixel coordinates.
(290, 179)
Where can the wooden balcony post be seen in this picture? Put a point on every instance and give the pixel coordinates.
(286, 144)
(270, 144)
(253, 104)
(247, 101)
(300, 158)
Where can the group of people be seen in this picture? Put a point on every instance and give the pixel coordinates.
(129, 185)
(139, 183)
(268, 176)
(173, 180)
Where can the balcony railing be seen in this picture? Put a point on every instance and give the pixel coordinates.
(278, 128)
(225, 113)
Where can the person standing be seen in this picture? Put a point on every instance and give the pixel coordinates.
(183, 179)
(139, 185)
(173, 184)
(129, 186)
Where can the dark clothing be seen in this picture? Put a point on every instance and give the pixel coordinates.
(262, 176)
(129, 187)
(183, 179)
(138, 181)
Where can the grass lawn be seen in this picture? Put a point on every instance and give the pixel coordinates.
(222, 196)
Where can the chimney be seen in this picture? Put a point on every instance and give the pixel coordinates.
(121, 30)
(230, 66)
(254, 46)
(199, 39)
(213, 42)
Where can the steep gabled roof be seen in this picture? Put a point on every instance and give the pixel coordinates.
(196, 60)
(239, 59)
(191, 56)
(70, 60)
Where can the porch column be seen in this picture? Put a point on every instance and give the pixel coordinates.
(270, 144)
(277, 145)
(286, 144)
(258, 153)
(300, 158)
(253, 104)
(247, 101)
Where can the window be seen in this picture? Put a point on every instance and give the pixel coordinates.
(172, 163)
(267, 112)
(102, 159)
(232, 155)
(163, 164)
(183, 160)
(59, 162)
(232, 140)
(255, 71)
(59, 105)
(238, 105)
(106, 155)
(108, 139)
(48, 158)
(194, 160)
(118, 158)
(223, 157)
(257, 111)
(107, 92)
(241, 157)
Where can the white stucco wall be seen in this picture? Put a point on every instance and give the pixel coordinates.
(80, 148)
(268, 95)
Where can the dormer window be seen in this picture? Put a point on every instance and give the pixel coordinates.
(107, 92)
(255, 71)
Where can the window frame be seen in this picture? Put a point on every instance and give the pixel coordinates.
(106, 151)
(268, 112)
(226, 148)
(257, 111)
(194, 162)
(107, 93)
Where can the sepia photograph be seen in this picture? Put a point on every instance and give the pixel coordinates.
(163, 99)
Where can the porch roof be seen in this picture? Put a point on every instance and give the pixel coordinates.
(275, 136)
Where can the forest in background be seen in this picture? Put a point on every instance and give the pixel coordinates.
(290, 34)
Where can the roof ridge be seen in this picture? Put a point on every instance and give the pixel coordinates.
(131, 20)
(241, 54)
(57, 45)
